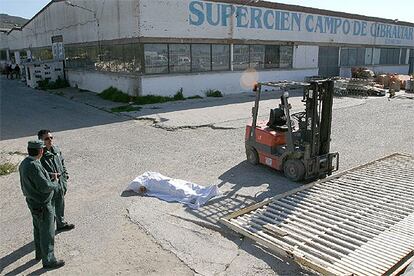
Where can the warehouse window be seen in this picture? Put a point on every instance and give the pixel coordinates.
(240, 57)
(272, 57)
(220, 57)
(84, 57)
(156, 58)
(390, 56)
(133, 57)
(403, 59)
(3, 55)
(262, 56)
(257, 56)
(111, 59)
(286, 56)
(42, 54)
(201, 57)
(353, 56)
(368, 56)
(180, 58)
(360, 56)
(118, 58)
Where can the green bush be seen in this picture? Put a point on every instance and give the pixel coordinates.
(179, 96)
(125, 108)
(115, 95)
(214, 93)
(59, 83)
(7, 168)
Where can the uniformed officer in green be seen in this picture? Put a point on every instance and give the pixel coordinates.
(53, 162)
(38, 188)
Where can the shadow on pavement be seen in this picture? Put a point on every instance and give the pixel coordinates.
(24, 267)
(15, 256)
(25, 110)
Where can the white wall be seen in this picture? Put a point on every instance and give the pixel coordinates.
(117, 19)
(345, 72)
(168, 85)
(305, 56)
(226, 82)
(98, 81)
(187, 19)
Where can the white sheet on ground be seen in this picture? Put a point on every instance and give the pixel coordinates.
(171, 190)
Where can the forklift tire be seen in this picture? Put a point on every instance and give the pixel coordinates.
(252, 155)
(294, 169)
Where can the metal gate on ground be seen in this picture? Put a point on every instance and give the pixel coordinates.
(328, 59)
(359, 222)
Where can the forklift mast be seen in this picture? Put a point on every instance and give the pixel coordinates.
(316, 132)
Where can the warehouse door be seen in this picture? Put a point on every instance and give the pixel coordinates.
(328, 61)
(411, 62)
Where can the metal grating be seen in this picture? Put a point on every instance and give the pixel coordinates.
(359, 222)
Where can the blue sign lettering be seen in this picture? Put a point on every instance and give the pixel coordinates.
(346, 26)
(255, 22)
(309, 22)
(269, 24)
(241, 13)
(196, 15)
(220, 14)
(210, 20)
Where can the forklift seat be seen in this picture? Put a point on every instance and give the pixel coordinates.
(277, 120)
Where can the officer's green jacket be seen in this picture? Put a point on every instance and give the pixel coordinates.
(53, 161)
(35, 182)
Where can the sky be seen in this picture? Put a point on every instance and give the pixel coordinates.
(397, 9)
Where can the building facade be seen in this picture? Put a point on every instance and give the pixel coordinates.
(160, 46)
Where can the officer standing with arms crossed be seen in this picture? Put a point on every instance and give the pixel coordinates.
(53, 162)
(38, 189)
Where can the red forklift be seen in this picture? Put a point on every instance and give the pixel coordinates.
(296, 144)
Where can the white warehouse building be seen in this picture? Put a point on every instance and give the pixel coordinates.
(158, 47)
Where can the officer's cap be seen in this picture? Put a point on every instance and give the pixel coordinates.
(35, 144)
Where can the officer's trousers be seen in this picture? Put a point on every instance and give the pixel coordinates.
(59, 203)
(44, 232)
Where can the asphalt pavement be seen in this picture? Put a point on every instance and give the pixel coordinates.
(201, 141)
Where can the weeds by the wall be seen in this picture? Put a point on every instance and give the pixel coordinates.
(116, 95)
(49, 85)
(214, 93)
(7, 168)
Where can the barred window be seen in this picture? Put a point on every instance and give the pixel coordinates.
(286, 56)
(180, 58)
(272, 56)
(403, 59)
(201, 57)
(156, 58)
(257, 56)
(220, 57)
(390, 56)
(240, 57)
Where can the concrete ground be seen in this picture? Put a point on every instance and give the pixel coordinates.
(199, 140)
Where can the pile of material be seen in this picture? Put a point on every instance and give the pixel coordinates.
(358, 87)
(409, 86)
(362, 73)
(395, 82)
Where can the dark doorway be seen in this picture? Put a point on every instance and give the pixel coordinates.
(328, 61)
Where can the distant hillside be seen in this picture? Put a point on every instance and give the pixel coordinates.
(9, 21)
